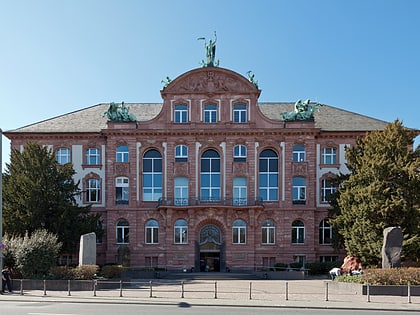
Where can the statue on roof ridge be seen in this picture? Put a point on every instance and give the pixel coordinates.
(251, 78)
(210, 52)
(302, 111)
(119, 113)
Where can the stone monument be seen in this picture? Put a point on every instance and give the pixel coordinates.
(391, 248)
(87, 251)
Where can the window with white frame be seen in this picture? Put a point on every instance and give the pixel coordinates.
(181, 113)
(122, 153)
(152, 175)
(299, 153)
(123, 230)
(239, 113)
(152, 232)
(93, 156)
(210, 176)
(93, 190)
(181, 232)
(239, 232)
(239, 153)
(268, 232)
(299, 190)
(329, 156)
(298, 232)
(63, 156)
(268, 175)
(210, 113)
(327, 189)
(325, 233)
(181, 153)
(240, 191)
(121, 190)
(181, 191)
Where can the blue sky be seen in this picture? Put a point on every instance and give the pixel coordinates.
(60, 56)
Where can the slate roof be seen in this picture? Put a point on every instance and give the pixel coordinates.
(91, 119)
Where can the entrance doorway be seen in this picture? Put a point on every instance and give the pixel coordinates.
(210, 248)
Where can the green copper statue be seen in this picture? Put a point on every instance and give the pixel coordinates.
(210, 52)
(303, 111)
(251, 78)
(117, 113)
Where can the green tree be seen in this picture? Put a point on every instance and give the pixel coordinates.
(381, 190)
(38, 193)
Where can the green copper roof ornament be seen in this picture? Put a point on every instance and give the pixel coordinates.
(119, 113)
(304, 111)
(251, 78)
(166, 82)
(210, 52)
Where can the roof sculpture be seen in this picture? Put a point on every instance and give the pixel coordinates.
(120, 112)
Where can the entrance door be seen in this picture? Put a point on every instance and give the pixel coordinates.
(209, 247)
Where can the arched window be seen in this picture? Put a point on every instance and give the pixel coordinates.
(298, 232)
(239, 232)
(121, 190)
(268, 232)
(299, 154)
(181, 191)
(152, 175)
(181, 153)
(299, 190)
(181, 232)
(268, 175)
(122, 153)
(239, 153)
(152, 232)
(63, 156)
(123, 229)
(210, 176)
(325, 233)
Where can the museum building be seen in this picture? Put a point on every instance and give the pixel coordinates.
(208, 179)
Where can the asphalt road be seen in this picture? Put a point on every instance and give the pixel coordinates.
(47, 308)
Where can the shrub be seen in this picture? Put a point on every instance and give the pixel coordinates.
(280, 266)
(61, 272)
(111, 271)
(322, 268)
(392, 276)
(86, 272)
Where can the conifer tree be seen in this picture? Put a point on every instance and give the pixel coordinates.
(38, 193)
(382, 190)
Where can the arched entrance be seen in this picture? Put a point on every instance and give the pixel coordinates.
(210, 249)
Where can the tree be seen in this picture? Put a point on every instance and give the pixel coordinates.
(381, 190)
(38, 193)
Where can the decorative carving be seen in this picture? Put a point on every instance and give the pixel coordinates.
(181, 169)
(300, 168)
(240, 169)
(121, 168)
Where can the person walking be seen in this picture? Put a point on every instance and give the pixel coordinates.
(6, 279)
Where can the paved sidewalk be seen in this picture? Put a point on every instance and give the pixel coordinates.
(261, 293)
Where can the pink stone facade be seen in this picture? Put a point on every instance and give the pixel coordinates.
(209, 239)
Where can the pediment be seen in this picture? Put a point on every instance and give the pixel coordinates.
(210, 80)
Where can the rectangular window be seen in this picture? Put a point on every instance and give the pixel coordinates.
(93, 190)
(239, 113)
(327, 190)
(329, 156)
(239, 191)
(210, 113)
(63, 156)
(181, 191)
(121, 190)
(181, 114)
(93, 156)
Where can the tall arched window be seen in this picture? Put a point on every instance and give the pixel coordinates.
(268, 232)
(152, 232)
(239, 232)
(298, 232)
(152, 175)
(269, 175)
(210, 176)
(325, 233)
(181, 232)
(122, 231)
